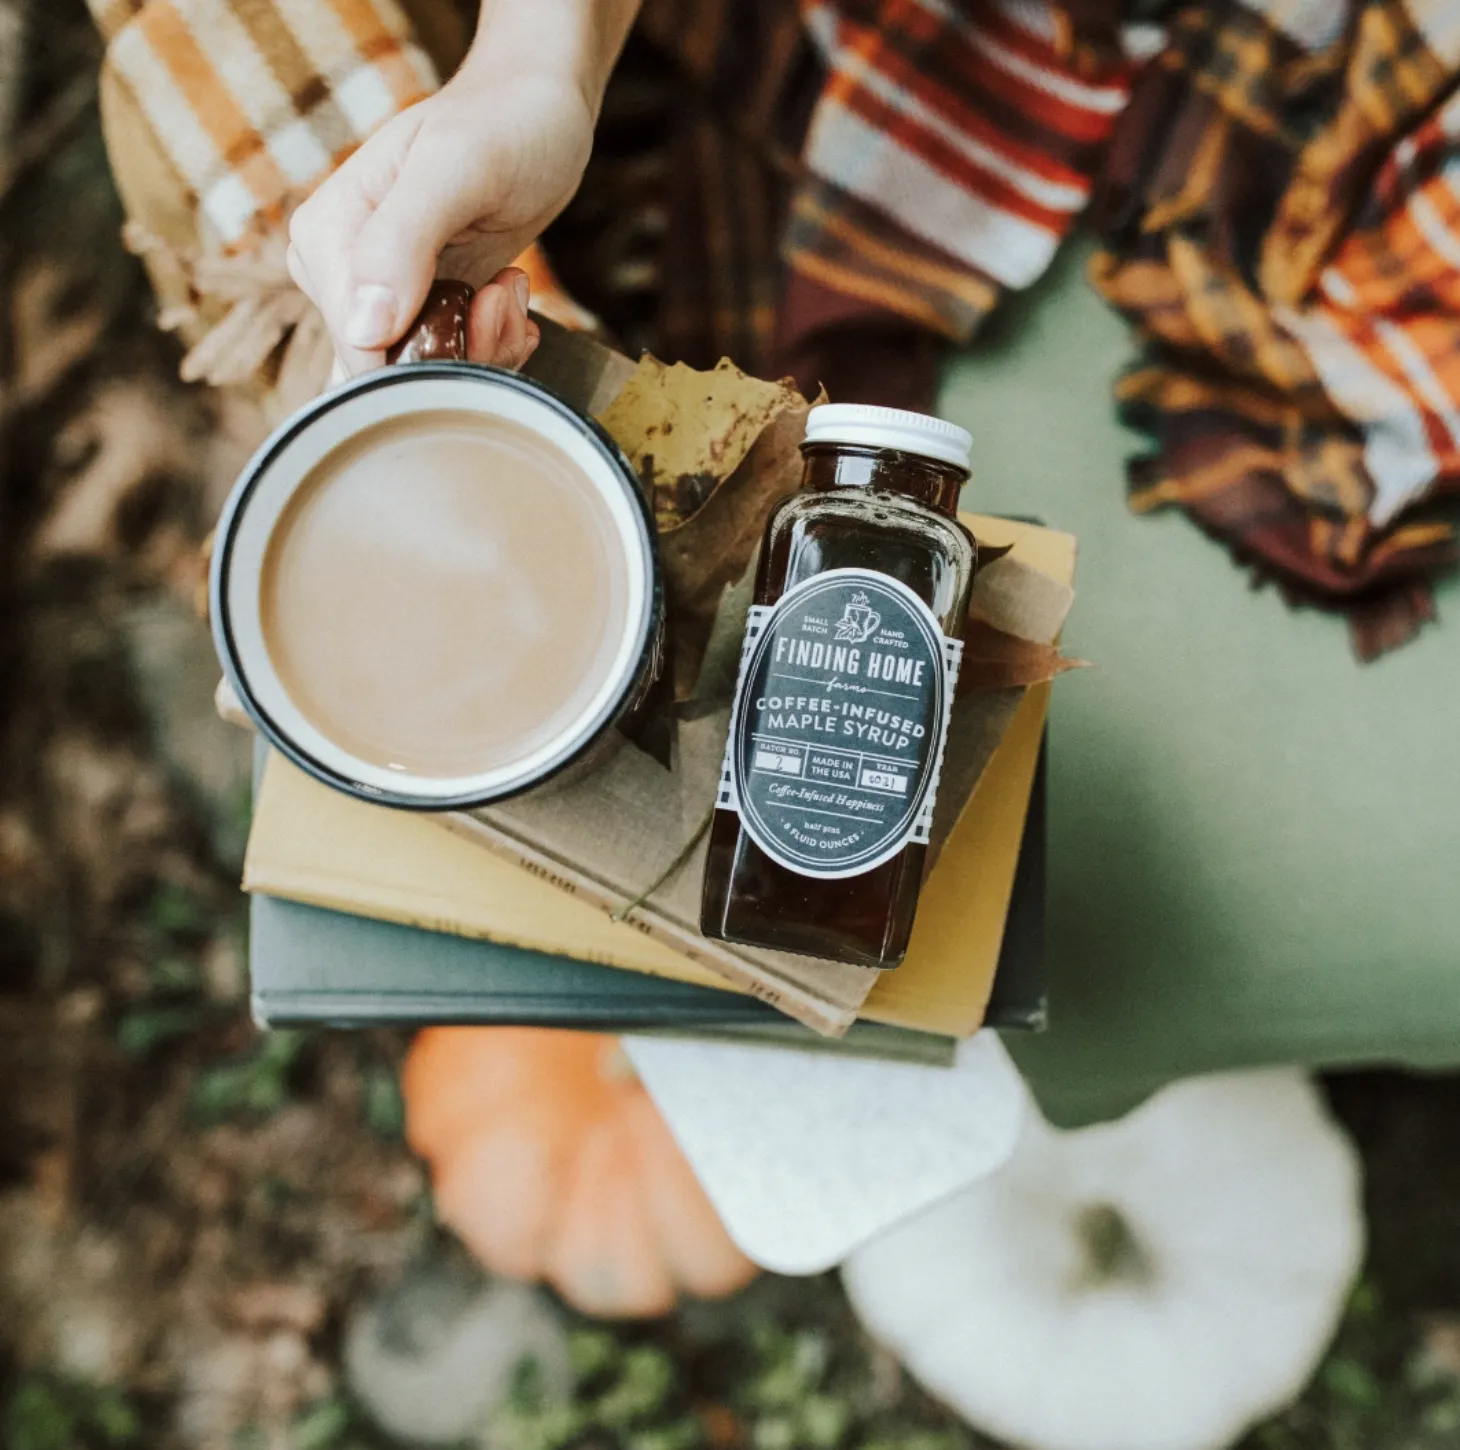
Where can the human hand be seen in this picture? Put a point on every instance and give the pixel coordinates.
(477, 171)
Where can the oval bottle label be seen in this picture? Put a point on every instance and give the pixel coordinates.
(840, 717)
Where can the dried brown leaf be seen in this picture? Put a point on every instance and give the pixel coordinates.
(712, 550)
(263, 1306)
(47, 340)
(713, 450)
(686, 432)
(993, 660)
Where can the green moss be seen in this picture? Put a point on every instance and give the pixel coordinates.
(46, 1413)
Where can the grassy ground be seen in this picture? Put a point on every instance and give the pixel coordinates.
(189, 1215)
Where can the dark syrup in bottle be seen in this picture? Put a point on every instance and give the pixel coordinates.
(846, 684)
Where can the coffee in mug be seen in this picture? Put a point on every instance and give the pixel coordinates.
(437, 586)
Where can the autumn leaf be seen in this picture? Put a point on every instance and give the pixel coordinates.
(48, 340)
(714, 451)
(687, 431)
(710, 551)
(993, 660)
(128, 436)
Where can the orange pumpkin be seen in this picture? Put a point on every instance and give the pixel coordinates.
(550, 1161)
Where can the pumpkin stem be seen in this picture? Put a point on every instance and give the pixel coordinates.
(1113, 1253)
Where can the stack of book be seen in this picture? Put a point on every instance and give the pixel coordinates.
(363, 915)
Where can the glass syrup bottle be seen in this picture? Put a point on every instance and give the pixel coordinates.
(844, 693)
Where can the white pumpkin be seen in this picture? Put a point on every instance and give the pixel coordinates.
(1157, 1283)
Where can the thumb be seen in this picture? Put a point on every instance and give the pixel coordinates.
(393, 261)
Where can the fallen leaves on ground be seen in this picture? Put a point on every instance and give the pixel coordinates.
(48, 339)
(129, 438)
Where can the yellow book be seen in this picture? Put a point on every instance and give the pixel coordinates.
(313, 844)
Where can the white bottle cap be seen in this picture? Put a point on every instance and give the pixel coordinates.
(871, 427)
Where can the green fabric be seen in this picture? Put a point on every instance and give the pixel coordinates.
(1254, 841)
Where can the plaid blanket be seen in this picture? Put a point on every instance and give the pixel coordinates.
(950, 151)
(1275, 185)
(1280, 212)
(255, 102)
(1276, 188)
(1278, 198)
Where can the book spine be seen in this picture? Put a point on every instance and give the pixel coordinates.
(757, 980)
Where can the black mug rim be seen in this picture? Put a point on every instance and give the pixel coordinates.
(269, 451)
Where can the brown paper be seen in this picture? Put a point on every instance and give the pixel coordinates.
(629, 824)
(581, 371)
(1015, 599)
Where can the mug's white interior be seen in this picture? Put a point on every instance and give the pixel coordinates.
(292, 466)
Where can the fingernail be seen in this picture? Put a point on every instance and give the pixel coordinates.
(372, 316)
(523, 289)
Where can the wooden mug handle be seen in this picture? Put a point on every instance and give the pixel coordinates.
(439, 332)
